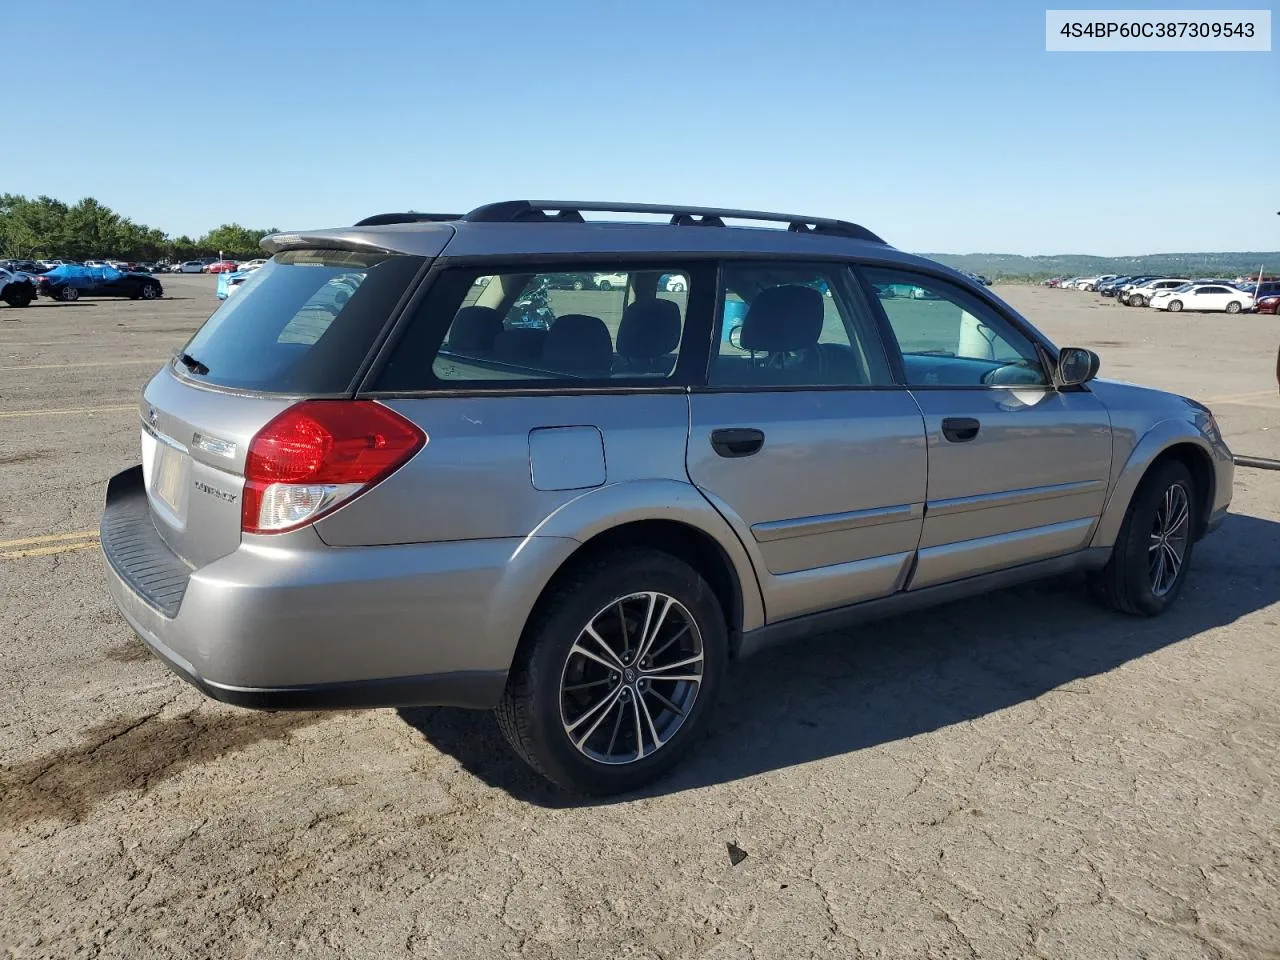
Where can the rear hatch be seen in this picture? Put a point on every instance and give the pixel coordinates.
(302, 326)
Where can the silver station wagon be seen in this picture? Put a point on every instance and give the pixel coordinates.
(426, 460)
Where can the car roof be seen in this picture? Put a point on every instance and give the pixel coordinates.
(539, 228)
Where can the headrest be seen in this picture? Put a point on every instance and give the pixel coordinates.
(649, 329)
(475, 329)
(783, 319)
(577, 343)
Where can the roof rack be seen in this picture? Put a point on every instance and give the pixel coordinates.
(382, 219)
(570, 211)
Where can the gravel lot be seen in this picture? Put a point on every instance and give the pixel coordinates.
(1022, 775)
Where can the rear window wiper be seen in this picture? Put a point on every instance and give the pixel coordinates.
(192, 364)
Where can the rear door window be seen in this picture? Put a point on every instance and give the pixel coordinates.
(302, 323)
(490, 329)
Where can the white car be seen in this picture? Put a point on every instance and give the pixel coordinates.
(1213, 297)
(252, 265)
(676, 283)
(609, 281)
(1141, 295)
(191, 266)
(1091, 283)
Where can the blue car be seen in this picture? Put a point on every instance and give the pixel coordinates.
(72, 282)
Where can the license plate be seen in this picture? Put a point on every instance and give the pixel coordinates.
(166, 477)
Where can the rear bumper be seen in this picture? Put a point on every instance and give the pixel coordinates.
(288, 622)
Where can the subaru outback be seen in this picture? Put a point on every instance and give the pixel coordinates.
(367, 482)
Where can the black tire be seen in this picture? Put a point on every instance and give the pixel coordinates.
(150, 291)
(20, 297)
(1137, 301)
(530, 712)
(1125, 583)
(68, 294)
(1175, 306)
(1233, 307)
(604, 285)
(578, 284)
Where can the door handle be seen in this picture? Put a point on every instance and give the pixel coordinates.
(960, 429)
(737, 441)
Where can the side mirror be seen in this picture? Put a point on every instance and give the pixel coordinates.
(1076, 365)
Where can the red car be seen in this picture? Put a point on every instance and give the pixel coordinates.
(1268, 304)
(222, 266)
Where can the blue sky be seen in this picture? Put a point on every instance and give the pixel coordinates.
(943, 127)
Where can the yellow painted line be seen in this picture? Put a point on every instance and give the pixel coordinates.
(1237, 397)
(46, 551)
(49, 538)
(96, 363)
(9, 414)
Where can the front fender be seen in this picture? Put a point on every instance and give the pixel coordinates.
(1161, 437)
(599, 510)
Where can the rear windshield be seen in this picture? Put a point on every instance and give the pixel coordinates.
(302, 323)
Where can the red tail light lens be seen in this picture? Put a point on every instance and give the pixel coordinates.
(317, 455)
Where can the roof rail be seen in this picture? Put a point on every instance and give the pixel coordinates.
(382, 219)
(570, 211)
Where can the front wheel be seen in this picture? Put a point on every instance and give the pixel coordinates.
(1175, 306)
(150, 291)
(1137, 301)
(1233, 307)
(18, 298)
(1149, 562)
(604, 285)
(616, 673)
(578, 285)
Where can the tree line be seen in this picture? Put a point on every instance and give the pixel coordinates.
(43, 228)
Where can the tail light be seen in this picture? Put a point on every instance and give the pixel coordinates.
(317, 455)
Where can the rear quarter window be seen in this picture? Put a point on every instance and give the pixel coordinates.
(302, 323)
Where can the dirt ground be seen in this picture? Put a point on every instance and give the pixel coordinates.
(1022, 775)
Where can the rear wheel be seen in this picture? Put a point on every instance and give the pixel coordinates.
(69, 294)
(1175, 306)
(18, 297)
(1233, 307)
(1149, 562)
(617, 673)
(605, 285)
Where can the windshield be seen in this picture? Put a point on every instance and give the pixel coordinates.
(302, 323)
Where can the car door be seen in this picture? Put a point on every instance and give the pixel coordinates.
(804, 442)
(1210, 298)
(1018, 470)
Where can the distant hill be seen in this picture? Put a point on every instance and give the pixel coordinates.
(1012, 265)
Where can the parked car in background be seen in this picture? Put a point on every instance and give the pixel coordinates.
(1206, 297)
(675, 283)
(1121, 290)
(222, 266)
(1268, 288)
(49, 264)
(16, 289)
(273, 555)
(71, 283)
(252, 264)
(1141, 295)
(1268, 303)
(1091, 283)
(192, 266)
(609, 281)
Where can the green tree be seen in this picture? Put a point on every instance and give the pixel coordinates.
(233, 240)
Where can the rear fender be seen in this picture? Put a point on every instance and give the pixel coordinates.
(604, 508)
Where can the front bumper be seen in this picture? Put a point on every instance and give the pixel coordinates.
(288, 622)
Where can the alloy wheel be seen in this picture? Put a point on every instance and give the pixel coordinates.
(631, 678)
(1167, 548)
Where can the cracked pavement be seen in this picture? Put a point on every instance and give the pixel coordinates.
(1021, 775)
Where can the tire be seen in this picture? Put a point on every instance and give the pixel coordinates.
(18, 298)
(150, 291)
(1175, 306)
(578, 284)
(541, 705)
(677, 288)
(68, 294)
(604, 285)
(1233, 307)
(1128, 582)
(1137, 301)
